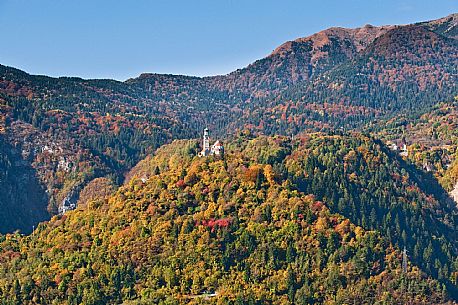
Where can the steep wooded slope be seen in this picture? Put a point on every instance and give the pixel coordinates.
(432, 139)
(208, 230)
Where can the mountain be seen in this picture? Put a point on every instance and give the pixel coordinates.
(72, 131)
(407, 62)
(259, 226)
(342, 77)
(302, 59)
(291, 63)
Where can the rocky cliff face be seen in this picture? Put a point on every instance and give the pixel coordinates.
(56, 159)
(23, 200)
(41, 173)
(454, 193)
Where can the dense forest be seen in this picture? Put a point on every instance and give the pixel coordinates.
(258, 226)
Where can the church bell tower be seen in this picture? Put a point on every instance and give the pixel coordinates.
(206, 142)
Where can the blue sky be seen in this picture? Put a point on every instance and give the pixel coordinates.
(121, 39)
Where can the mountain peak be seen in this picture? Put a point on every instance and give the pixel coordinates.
(404, 39)
(359, 38)
(446, 26)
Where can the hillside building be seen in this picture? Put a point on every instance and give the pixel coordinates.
(400, 146)
(216, 149)
(404, 152)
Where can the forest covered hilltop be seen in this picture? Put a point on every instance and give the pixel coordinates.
(320, 219)
(332, 178)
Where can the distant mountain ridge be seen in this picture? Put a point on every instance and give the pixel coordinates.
(303, 57)
(314, 69)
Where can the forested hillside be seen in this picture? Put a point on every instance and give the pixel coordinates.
(260, 226)
(431, 138)
(71, 131)
(364, 181)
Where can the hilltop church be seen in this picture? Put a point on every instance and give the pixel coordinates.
(216, 149)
